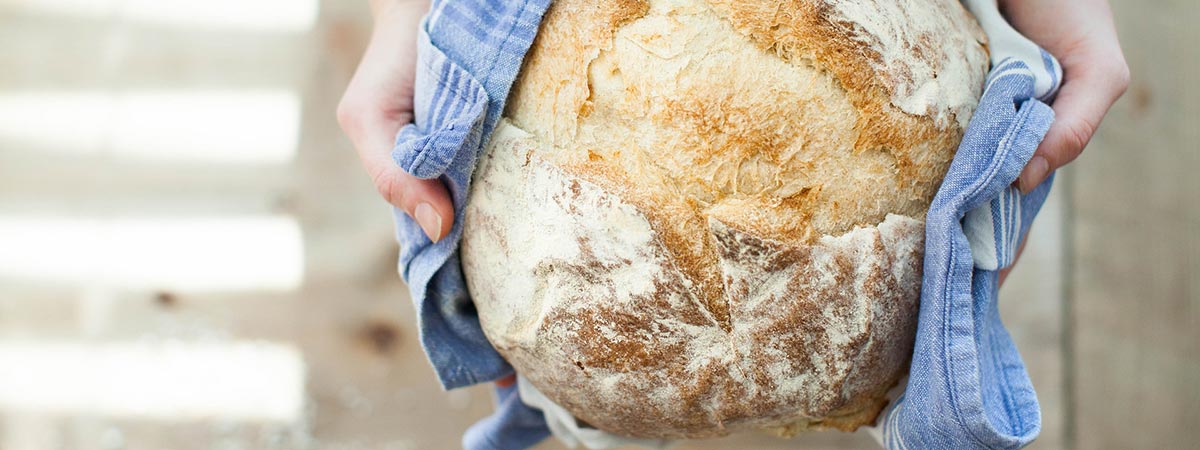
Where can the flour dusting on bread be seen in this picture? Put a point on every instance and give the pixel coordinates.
(817, 330)
(703, 216)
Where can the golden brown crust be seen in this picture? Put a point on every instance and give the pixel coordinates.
(627, 90)
(696, 234)
(640, 99)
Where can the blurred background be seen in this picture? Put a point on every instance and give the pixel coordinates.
(191, 258)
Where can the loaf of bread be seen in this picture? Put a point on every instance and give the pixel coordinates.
(705, 216)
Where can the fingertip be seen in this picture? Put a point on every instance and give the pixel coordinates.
(1064, 141)
(1033, 174)
(429, 220)
(442, 206)
(427, 202)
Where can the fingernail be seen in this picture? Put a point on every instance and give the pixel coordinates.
(1033, 174)
(429, 220)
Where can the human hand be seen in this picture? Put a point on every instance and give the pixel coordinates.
(379, 101)
(1081, 34)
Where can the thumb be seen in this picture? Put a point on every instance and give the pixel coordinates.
(426, 201)
(376, 104)
(1081, 104)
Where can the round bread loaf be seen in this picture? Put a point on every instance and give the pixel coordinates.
(703, 216)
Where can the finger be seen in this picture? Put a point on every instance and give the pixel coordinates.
(1081, 104)
(426, 201)
(377, 103)
(507, 381)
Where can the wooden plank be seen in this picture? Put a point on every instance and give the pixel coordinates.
(1136, 246)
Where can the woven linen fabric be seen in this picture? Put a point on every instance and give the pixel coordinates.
(967, 388)
(468, 54)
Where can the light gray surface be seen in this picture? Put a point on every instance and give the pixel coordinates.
(1136, 245)
(1118, 239)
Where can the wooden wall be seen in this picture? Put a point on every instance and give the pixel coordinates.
(1105, 303)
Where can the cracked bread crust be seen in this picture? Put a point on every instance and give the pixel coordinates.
(577, 290)
(698, 216)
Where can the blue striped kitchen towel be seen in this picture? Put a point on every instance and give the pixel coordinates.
(468, 55)
(967, 386)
